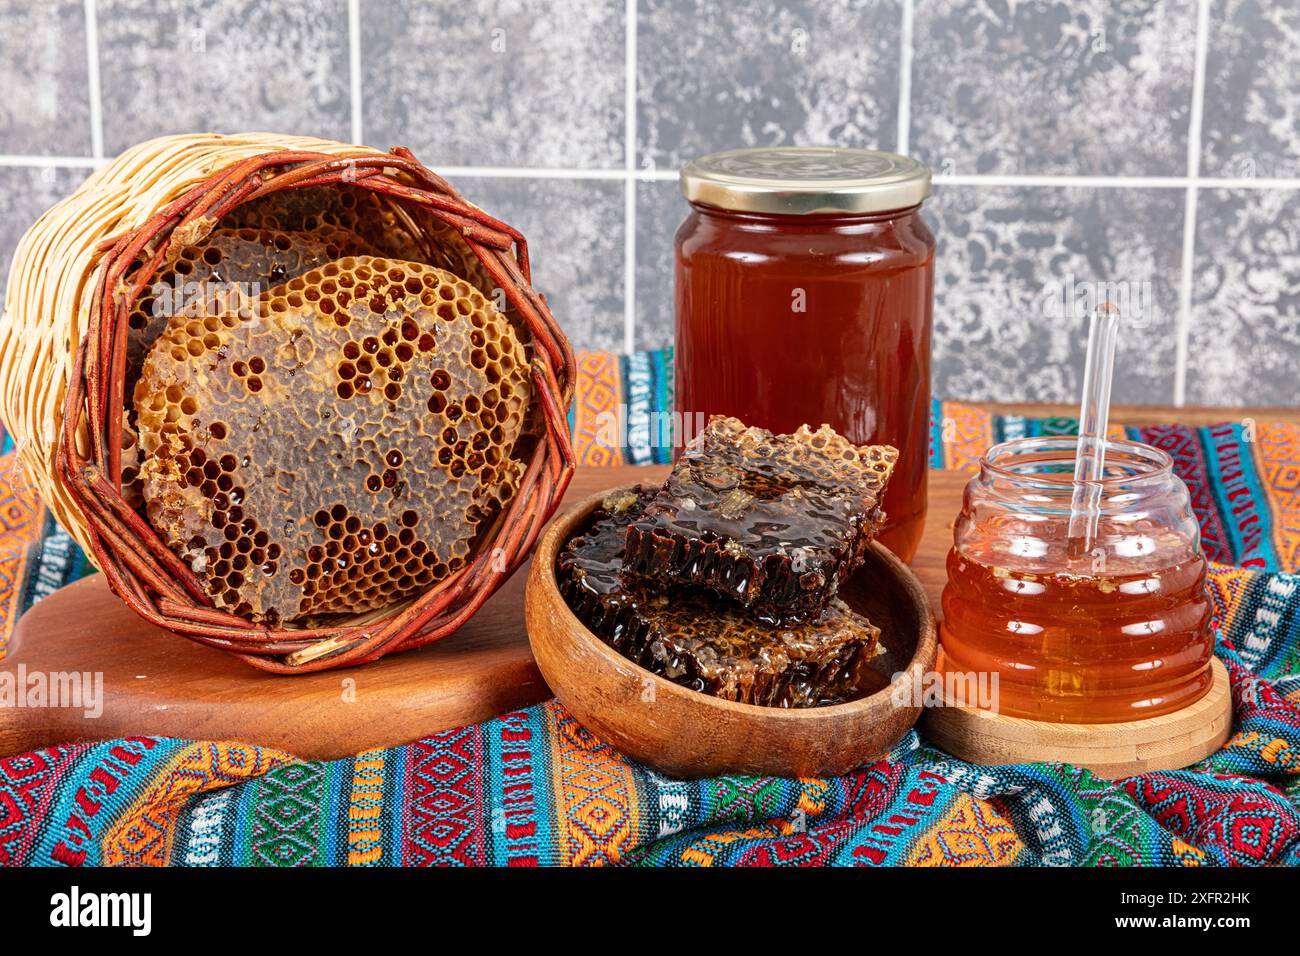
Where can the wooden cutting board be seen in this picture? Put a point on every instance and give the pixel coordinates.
(158, 684)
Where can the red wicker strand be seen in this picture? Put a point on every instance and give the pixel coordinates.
(139, 566)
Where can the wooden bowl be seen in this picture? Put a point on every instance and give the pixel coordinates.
(688, 734)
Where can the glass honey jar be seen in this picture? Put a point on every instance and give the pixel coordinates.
(1112, 627)
(804, 279)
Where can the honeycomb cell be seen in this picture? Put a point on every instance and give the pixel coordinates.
(323, 489)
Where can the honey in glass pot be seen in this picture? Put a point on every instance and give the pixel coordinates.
(1119, 631)
(804, 281)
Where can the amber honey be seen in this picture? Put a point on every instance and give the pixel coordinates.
(1117, 631)
(804, 280)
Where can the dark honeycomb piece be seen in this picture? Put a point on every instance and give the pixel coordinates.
(711, 646)
(773, 522)
(340, 446)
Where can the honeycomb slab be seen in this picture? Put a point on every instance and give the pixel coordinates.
(337, 448)
(774, 522)
(695, 639)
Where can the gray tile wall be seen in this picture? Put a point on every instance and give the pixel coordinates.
(1151, 143)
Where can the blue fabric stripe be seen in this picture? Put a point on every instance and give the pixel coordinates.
(661, 367)
(241, 822)
(638, 404)
(334, 840)
(1010, 427)
(396, 806)
(936, 433)
(91, 805)
(1238, 496)
(539, 746)
(1267, 623)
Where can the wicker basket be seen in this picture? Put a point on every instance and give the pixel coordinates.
(62, 360)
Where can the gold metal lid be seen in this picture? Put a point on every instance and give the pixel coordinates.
(799, 180)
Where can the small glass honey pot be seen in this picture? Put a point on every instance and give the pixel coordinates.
(1079, 631)
(1077, 590)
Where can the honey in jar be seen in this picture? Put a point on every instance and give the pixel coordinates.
(1115, 628)
(804, 279)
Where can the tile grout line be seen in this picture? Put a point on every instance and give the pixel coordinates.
(92, 83)
(1062, 181)
(629, 171)
(354, 69)
(671, 175)
(1183, 329)
(902, 139)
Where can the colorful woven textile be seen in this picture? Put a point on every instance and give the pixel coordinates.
(534, 788)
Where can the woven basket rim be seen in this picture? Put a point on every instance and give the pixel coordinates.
(137, 563)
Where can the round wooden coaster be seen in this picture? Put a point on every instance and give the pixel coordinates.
(1168, 742)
